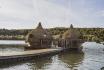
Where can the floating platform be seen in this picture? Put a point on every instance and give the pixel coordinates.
(24, 55)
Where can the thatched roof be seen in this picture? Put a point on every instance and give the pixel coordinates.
(71, 33)
(39, 32)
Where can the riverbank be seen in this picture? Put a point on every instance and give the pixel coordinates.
(12, 37)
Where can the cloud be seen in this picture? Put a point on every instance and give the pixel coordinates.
(52, 13)
(16, 12)
(14, 9)
(100, 13)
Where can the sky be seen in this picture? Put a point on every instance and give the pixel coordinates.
(26, 14)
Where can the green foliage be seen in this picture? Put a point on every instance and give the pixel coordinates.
(13, 34)
(88, 34)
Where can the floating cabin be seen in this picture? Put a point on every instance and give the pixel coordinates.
(70, 39)
(39, 38)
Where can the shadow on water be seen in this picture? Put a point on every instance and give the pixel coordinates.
(40, 63)
(72, 58)
(34, 63)
(91, 58)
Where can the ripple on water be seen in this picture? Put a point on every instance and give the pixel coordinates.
(91, 58)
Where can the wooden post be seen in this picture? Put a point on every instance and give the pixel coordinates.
(41, 43)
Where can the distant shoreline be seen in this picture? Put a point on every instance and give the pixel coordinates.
(12, 39)
(16, 37)
(87, 34)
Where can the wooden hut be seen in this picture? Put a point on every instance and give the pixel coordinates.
(39, 38)
(70, 39)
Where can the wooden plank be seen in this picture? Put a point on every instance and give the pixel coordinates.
(27, 53)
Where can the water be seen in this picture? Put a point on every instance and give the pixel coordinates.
(12, 42)
(7, 46)
(90, 58)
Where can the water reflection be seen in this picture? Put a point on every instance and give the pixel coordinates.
(35, 64)
(9, 48)
(91, 58)
(63, 61)
(40, 63)
(72, 58)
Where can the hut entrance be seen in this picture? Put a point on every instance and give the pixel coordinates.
(31, 36)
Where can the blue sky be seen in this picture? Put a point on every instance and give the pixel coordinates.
(17, 14)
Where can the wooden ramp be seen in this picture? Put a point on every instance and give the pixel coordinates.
(26, 54)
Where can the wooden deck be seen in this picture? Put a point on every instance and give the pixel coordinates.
(26, 54)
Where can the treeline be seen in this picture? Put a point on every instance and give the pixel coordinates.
(88, 34)
(13, 34)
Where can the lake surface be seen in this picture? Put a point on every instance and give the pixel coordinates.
(7, 46)
(7, 42)
(90, 58)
